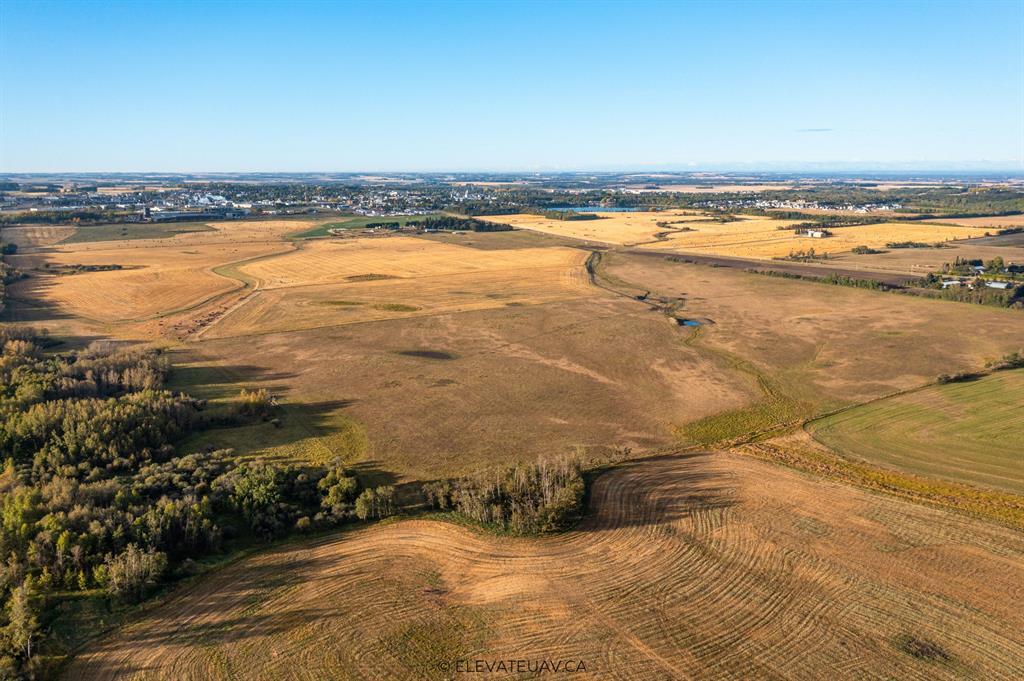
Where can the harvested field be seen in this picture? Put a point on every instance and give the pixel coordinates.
(156, 280)
(971, 432)
(132, 231)
(329, 283)
(327, 261)
(753, 237)
(514, 382)
(921, 261)
(706, 566)
(747, 236)
(813, 269)
(310, 307)
(492, 241)
(610, 228)
(195, 234)
(993, 222)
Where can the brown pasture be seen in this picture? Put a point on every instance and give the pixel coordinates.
(444, 393)
(828, 344)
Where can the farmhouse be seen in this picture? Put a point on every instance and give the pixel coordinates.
(998, 284)
(817, 233)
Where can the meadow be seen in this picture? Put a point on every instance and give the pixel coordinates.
(970, 432)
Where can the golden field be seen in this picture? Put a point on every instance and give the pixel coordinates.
(297, 307)
(621, 228)
(996, 222)
(747, 236)
(346, 260)
(756, 237)
(154, 281)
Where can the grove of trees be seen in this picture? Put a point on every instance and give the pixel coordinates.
(545, 496)
(96, 497)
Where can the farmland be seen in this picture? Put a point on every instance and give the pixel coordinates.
(611, 227)
(969, 432)
(433, 391)
(920, 261)
(702, 566)
(743, 236)
(332, 283)
(761, 238)
(153, 280)
(992, 223)
(414, 358)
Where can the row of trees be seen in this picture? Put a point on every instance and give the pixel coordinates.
(452, 223)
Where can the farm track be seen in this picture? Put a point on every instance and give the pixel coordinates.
(698, 566)
(249, 285)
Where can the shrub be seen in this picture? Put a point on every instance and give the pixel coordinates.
(1013, 360)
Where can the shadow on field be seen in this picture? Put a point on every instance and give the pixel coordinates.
(656, 491)
(370, 474)
(27, 303)
(217, 381)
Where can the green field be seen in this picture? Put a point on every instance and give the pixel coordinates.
(971, 432)
(134, 230)
(355, 222)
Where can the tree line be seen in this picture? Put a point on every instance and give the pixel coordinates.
(95, 496)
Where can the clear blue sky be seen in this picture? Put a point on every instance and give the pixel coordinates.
(303, 86)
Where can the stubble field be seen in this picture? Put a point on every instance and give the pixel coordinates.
(153, 280)
(996, 222)
(707, 566)
(761, 238)
(746, 236)
(329, 283)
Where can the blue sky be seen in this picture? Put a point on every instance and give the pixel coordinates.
(306, 86)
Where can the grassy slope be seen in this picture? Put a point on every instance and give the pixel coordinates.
(304, 434)
(969, 432)
(128, 231)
